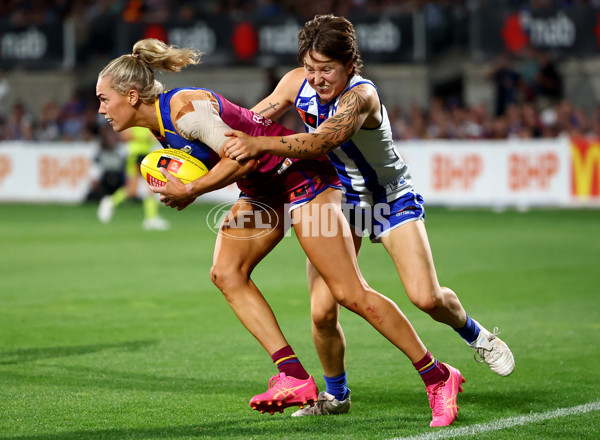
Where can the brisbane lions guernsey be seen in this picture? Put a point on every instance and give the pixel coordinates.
(271, 176)
(369, 166)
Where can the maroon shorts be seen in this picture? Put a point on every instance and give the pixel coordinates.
(299, 184)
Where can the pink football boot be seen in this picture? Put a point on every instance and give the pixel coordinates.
(285, 391)
(442, 398)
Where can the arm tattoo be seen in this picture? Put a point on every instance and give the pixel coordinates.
(339, 128)
(270, 107)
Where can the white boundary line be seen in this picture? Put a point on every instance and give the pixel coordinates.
(505, 423)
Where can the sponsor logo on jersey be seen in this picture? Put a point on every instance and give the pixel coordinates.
(284, 166)
(300, 193)
(308, 118)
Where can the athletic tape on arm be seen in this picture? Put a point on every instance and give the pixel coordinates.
(204, 124)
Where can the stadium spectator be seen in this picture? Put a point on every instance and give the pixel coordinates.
(548, 82)
(507, 83)
(531, 121)
(345, 119)
(19, 124)
(71, 117)
(127, 91)
(4, 93)
(571, 121)
(528, 68)
(47, 127)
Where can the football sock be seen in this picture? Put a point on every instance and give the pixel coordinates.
(119, 196)
(431, 371)
(337, 386)
(287, 362)
(470, 331)
(150, 207)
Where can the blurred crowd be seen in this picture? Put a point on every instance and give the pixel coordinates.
(529, 103)
(521, 120)
(32, 12)
(73, 120)
(36, 12)
(77, 120)
(529, 96)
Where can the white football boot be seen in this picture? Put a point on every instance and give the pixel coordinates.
(493, 351)
(106, 208)
(326, 404)
(156, 224)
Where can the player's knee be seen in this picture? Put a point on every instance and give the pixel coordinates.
(428, 300)
(226, 277)
(324, 318)
(216, 276)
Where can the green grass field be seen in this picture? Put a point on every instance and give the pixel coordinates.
(111, 332)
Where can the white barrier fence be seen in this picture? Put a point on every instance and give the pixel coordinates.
(35, 172)
(491, 173)
(554, 172)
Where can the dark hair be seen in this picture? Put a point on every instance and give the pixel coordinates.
(332, 36)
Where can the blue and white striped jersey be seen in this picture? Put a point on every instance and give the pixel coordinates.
(369, 165)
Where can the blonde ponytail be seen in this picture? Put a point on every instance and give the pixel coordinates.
(134, 71)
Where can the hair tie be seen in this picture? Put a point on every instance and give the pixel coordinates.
(135, 55)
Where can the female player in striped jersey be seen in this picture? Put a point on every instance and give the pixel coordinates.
(345, 119)
(196, 121)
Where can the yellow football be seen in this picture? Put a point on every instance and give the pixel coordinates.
(182, 165)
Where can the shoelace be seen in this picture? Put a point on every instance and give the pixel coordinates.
(273, 380)
(483, 352)
(436, 405)
(320, 408)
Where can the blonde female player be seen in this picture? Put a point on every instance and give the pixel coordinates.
(196, 120)
(345, 119)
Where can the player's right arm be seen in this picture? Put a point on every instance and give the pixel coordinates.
(177, 194)
(283, 97)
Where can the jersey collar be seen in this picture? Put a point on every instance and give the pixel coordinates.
(159, 116)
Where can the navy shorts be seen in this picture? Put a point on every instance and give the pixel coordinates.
(381, 218)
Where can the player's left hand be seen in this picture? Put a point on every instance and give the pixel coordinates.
(174, 193)
(240, 146)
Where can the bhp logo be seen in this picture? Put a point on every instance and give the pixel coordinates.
(5, 167)
(58, 172)
(529, 171)
(452, 172)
